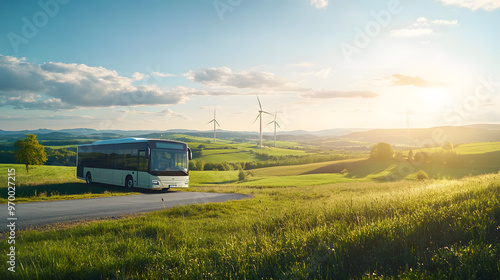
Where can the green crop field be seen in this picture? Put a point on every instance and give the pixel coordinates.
(478, 148)
(236, 156)
(471, 148)
(225, 151)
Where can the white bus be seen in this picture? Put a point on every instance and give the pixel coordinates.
(135, 163)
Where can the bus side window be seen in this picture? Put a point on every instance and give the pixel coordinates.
(143, 161)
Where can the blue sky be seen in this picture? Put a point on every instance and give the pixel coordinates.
(319, 64)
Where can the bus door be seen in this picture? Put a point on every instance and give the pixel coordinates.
(143, 177)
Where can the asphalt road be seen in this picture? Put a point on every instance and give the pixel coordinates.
(36, 214)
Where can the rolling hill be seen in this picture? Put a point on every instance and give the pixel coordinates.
(428, 137)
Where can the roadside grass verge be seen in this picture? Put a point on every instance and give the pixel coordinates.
(412, 230)
(52, 183)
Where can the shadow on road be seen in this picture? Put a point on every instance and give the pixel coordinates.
(73, 189)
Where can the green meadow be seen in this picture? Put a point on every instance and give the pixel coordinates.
(346, 219)
(51, 183)
(348, 230)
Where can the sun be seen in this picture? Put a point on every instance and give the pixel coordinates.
(435, 97)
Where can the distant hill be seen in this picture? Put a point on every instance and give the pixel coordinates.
(484, 126)
(431, 137)
(353, 137)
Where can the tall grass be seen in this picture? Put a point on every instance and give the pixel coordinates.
(434, 229)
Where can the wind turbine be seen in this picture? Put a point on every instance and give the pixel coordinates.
(215, 124)
(275, 124)
(260, 116)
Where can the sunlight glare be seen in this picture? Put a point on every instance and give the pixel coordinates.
(435, 97)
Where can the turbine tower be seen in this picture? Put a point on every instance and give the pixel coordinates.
(215, 125)
(260, 116)
(275, 124)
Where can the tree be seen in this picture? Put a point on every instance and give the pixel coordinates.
(382, 151)
(242, 176)
(447, 146)
(422, 157)
(30, 151)
(410, 155)
(200, 165)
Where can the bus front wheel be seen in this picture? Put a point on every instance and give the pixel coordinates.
(88, 178)
(129, 182)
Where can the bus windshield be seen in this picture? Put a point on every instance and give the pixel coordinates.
(169, 160)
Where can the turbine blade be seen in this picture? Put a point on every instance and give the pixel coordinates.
(217, 123)
(278, 125)
(270, 122)
(210, 121)
(256, 118)
(267, 113)
(260, 105)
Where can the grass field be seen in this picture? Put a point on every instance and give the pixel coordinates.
(60, 182)
(52, 183)
(302, 222)
(412, 230)
(244, 152)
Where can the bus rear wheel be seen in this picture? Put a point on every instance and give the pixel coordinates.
(129, 182)
(88, 178)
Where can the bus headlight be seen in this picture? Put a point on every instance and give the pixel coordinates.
(156, 183)
(187, 182)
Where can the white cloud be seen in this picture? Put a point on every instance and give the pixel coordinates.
(422, 20)
(321, 73)
(138, 76)
(411, 32)
(225, 77)
(423, 27)
(162, 75)
(487, 5)
(301, 64)
(403, 80)
(319, 4)
(325, 93)
(445, 22)
(55, 86)
(171, 114)
(269, 82)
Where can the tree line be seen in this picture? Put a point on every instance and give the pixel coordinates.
(446, 156)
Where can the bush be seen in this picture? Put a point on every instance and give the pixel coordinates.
(399, 155)
(382, 151)
(200, 165)
(344, 172)
(447, 158)
(447, 146)
(242, 175)
(421, 175)
(422, 157)
(410, 155)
